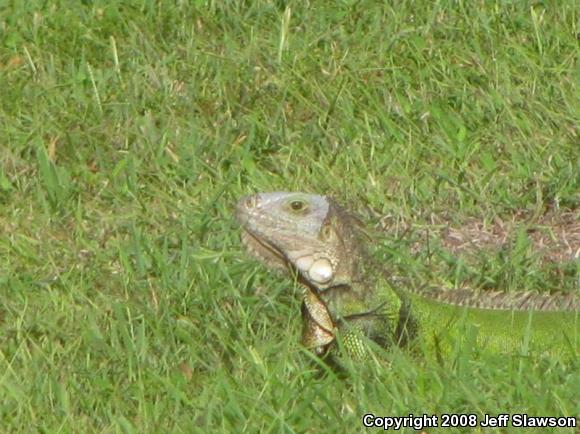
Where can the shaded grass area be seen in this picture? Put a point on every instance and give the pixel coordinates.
(127, 131)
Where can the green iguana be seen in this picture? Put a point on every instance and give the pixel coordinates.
(346, 296)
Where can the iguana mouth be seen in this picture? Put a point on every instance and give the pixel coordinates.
(312, 272)
(272, 256)
(263, 250)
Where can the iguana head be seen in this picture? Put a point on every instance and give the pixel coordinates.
(305, 232)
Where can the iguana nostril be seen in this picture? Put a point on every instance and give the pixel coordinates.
(252, 201)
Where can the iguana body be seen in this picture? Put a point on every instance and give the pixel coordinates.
(346, 294)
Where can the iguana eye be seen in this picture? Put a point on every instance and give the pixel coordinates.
(297, 205)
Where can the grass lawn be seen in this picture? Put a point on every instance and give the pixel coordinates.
(128, 129)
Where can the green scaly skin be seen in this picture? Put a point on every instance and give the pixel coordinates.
(348, 299)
